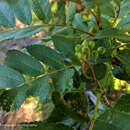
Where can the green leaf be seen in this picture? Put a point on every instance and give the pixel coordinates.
(125, 8)
(123, 104)
(112, 33)
(78, 22)
(99, 70)
(7, 35)
(6, 15)
(1, 91)
(62, 111)
(23, 63)
(124, 23)
(63, 80)
(48, 107)
(42, 9)
(124, 57)
(46, 126)
(20, 33)
(107, 8)
(18, 96)
(113, 120)
(28, 31)
(71, 12)
(59, 113)
(76, 1)
(105, 22)
(22, 11)
(10, 78)
(46, 55)
(120, 73)
(66, 45)
(40, 88)
(89, 4)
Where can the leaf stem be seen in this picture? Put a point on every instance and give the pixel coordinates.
(95, 111)
(54, 72)
(43, 75)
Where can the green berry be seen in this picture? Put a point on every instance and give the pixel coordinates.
(91, 44)
(80, 56)
(101, 50)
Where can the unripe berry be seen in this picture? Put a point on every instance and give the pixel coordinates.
(101, 50)
(91, 44)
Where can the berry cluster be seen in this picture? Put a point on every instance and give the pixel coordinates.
(87, 49)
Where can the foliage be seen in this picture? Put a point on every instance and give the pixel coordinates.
(91, 48)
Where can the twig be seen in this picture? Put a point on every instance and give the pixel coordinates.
(118, 12)
(68, 26)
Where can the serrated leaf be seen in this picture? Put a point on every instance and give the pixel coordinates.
(7, 35)
(113, 120)
(22, 11)
(112, 33)
(71, 12)
(46, 126)
(23, 63)
(123, 104)
(6, 15)
(10, 78)
(63, 80)
(107, 8)
(42, 9)
(46, 55)
(20, 33)
(18, 96)
(66, 46)
(27, 32)
(78, 22)
(40, 88)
